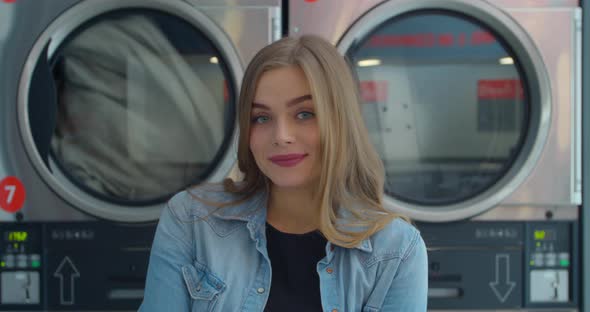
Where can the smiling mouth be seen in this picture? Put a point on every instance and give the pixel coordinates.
(287, 160)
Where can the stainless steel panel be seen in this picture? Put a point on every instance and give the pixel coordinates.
(242, 3)
(250, 28)
(7, 16)
(535, 3)
(551, 181)
(577, 94)
(29, 19)
(528, 213)
(320, 17)
(585, 215)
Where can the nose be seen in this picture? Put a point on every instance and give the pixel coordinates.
(284, 132)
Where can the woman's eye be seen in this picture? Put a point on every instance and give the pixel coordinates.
(260, 119)
(305, 115)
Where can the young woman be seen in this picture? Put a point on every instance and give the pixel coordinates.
(305, 229)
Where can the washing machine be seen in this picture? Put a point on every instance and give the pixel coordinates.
(107, 109)
(474, 107)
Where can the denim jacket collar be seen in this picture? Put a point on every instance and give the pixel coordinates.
(253, 211)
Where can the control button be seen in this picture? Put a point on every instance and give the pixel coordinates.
(551, 259)
(260, 290)
(35, 260)
(9, 261)
(538, 259)
(21, 261)
(564, 259)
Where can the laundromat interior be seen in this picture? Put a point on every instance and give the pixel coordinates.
(479, 110)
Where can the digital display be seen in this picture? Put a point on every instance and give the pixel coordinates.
(16, 236)
(545, 235)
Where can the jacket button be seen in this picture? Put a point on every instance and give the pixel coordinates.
(260, 290)
(330, 271)
(334, 310)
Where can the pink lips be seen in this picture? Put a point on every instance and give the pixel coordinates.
(287, 160)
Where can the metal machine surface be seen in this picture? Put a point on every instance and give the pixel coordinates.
(107, 108)
(474, 107)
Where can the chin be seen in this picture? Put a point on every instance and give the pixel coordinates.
(284, 181)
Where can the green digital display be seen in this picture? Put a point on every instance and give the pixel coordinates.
(544, 235)
(17, 236)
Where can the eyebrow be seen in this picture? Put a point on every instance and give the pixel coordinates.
(290, 103)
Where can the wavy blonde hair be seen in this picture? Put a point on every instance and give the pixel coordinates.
(352, 173)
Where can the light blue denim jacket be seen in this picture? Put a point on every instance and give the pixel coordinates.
(220, 263)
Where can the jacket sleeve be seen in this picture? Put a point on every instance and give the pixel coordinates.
(165, 289)
(409, 290)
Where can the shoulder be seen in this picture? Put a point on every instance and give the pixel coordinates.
(184, 203)
(205, 201)
(398, 239)
(197, 201)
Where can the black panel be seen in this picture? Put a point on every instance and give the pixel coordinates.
(489, 265)
(474, 265)
(84, 265)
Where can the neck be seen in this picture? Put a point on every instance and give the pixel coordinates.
(293, 210)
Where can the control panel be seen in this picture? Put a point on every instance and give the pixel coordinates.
(502, 265)
(78, 266)
(20, 265)
(549, 248)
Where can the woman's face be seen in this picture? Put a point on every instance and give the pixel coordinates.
(284, 132)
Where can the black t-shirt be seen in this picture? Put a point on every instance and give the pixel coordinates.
(295, 284)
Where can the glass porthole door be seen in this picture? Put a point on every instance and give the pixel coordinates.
(128, 103)
(453, 104)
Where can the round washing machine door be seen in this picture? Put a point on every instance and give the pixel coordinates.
(456, 99)
(124, 103)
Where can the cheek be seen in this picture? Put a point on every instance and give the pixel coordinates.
(313, 138)
(256, 141)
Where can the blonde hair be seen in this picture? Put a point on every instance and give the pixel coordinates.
(352, 173)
